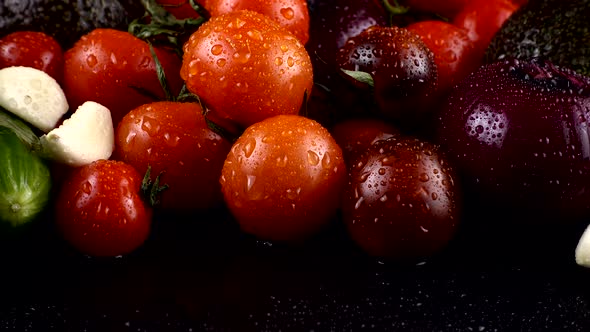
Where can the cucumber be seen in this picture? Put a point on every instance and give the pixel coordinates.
(25, 181)
(67, 20)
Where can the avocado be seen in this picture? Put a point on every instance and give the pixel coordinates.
(556, 30)
(66, 20)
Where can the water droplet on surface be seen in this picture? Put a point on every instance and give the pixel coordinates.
(327, 160)
(91, 61)
(423, 177)
(287, 13)
(312, 158)
(221, 62)
(86, 187)
(216, 49)
(250, 179)
(248, 148)
(28, 100)
(358, 203)
(150, 126)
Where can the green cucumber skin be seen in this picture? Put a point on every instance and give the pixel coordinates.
(25, 181)
(66, 20)
(557, 30)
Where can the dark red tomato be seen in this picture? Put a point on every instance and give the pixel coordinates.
(332, 23)
(116, 70)
(290, 14)
(355, 136)
(447, 8)
(401, 201)
(483, 18)
(100, 212)
(283, 178)
(402, 68)
(245, 67)
(173, 138)
(454, 53)
(181, 9)
(32, 49)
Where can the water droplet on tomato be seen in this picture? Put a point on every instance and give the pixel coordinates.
(242, 57)
(221, 62)
(171, 140)
(423, 177)
(284, 48)
(216, 49)
(327, 160)
(287, 13)
(249, 147)
(290, 62)
(130, 138)
(113, 58)
(282, 161)
(312, 158)
(358, 203)
(86, 187)
(150, 126)
(434, 196)
(279, 61)
(255, 34)
(250, 179)
(91, 61)
(28, 100)
(145, 62)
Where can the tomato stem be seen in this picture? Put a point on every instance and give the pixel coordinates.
(161, 74)
(151, 189)
(161, 23)
(396, 8)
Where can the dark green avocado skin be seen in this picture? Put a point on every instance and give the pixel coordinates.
(66, 20)
(557, 30)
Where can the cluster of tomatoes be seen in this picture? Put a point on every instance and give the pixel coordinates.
(287, 112)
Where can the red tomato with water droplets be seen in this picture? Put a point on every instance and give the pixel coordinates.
(290, 14)
(32, 49)
(117, 70)
(174, 140)
(100, 212)
(283, 178)
(401, 202)
(483, 18)
(246, 68)
(402, 68)
(455, 54)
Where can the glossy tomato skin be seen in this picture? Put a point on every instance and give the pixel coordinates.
(283, 178)
(174, 140)
(401, 201)
(245, 67)
(482, 19)
(100, 212)
(290, 14)
(402, 68)
(455, 54)
(32, 49)
(117, 70)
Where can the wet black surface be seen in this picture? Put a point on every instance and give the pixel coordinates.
(201, 273)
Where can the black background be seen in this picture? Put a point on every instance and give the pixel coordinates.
(201, 273)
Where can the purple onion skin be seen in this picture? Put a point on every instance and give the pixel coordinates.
(518, 133)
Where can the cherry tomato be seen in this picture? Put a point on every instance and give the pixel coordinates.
(245, 67)
(117, 70)
(454, 53)
(32, 49)
(483, 18)
(100, 212)
(401, 201)
(290, 14)
(283, 178)
(173, 139)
